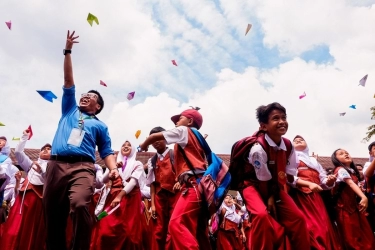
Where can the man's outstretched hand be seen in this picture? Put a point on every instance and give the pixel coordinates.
(70, 40)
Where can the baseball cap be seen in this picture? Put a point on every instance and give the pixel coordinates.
(191, 114)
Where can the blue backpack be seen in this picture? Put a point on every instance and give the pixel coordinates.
(216, 179)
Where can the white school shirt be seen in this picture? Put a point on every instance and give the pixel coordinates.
(151, 174)
(5, 172)
(343, 174)
(365, 167)
(258, 158)
(26, 163)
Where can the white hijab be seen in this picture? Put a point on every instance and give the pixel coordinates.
(303, 155)
(230, 213)
(133, 167)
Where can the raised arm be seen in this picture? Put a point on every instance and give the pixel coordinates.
(68, 67)
(23, 160)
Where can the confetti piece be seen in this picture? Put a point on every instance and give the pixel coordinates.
(131, 95)
(91, 18)
(30, 130)
(342, 114)
(174, 62)
(9, 24)
(2, 124)
(353, 106)
(137, 134)
(16, 139)
(248, 28)
(48, 95)
(103, 83)
(303, 95)
(362, 82)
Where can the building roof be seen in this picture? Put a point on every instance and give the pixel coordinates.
(144, 156)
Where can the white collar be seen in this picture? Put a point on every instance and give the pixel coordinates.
(162, 156)
(273, 144)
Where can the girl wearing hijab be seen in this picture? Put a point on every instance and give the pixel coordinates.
(25, 228)
(228, 234)
(121, 228)
(5, 174)
(351, 220)
(309, 200)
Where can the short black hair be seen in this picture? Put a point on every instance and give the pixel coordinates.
(156, 130)
(263, 112)
(371, 145)
(100, 100)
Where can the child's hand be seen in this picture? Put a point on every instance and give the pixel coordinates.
(143, 147)
(271, 207)
(153, 212)
(116, 201)
(363, 204)
(331, 179)
(119, 164)
(18, 176)
(315, 187)
(177, 186)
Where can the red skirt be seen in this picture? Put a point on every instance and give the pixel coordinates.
(26, 230)
(123, 228)
(227, 240)
(321, 232)
(354, 230)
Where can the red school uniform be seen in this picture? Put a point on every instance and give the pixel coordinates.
(165, 199)
(353, 226)
(265, 231)
(188, 223)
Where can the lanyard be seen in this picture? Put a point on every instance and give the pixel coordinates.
(81, 122)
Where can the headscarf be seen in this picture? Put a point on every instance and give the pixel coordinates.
(230, 213)
(133, 167)
(6, 149)
(304, 156)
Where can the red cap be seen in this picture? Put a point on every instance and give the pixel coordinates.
(190, 113)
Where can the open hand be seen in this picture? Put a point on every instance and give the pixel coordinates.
(70, 40)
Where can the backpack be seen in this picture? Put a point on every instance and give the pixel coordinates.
(239, 167)
(216, 179)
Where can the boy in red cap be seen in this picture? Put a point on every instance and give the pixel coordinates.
(187, 226)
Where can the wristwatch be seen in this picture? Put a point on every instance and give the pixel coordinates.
(67, 51)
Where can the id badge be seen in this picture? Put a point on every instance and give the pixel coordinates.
(76, 137)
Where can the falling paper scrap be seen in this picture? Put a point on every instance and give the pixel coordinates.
(2, 124)
(137, 134)
(303, 95)
(248, 28)
(107, 212)
(48, 95)
(362, 82)
(16, 139)
(9, 24)
(174, 62)
(196, 108)
(130, 95)
(91, 18)
(353, 106)
(103, 83)
(342, 114)
(30, 130)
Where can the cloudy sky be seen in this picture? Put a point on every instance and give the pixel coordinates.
(319, 47)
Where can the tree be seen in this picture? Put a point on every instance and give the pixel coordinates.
(371, 129)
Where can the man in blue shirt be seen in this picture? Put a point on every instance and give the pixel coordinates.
(70, 175)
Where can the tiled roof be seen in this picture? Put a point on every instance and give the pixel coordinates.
(144, 156)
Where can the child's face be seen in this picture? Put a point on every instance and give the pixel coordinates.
(159, 145)
(343, 157)
(277, 124)
(45, 153)
(126, 149)
(372, 152)
(184, 121)
(228, 200)
(299, 144)
(2, 143)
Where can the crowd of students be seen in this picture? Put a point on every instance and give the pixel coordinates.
(284, 200)
(158, 205)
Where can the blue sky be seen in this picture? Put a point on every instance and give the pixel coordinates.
(318, 47)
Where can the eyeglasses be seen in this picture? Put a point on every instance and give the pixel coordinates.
(89, 95)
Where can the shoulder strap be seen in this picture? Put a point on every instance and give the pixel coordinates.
(204, 145)
(289, 147)
(171, 156)
(187, 161)
(153, 160)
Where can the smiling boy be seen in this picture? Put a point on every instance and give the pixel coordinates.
(272, 166)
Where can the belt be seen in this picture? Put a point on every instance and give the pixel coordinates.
(71, 158)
